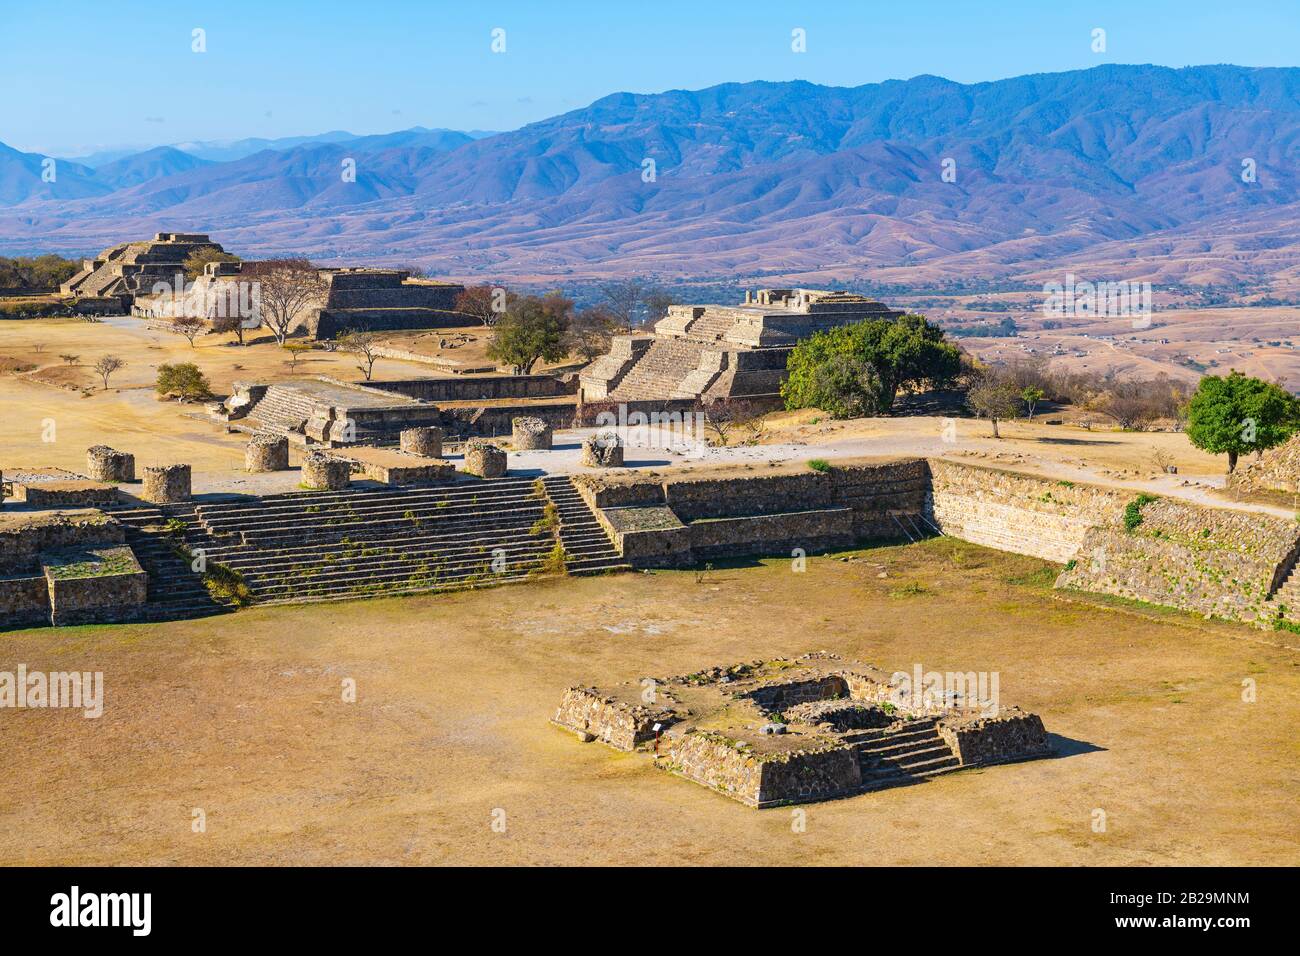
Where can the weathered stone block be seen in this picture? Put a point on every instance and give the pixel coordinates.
(166, 483)
(267, 453)
(425, 441)
(603, 450)
(531, 434)
(107, 464)
(325, 472)
(484, 459)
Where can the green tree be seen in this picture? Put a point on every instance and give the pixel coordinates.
(993, 398)
(532, 330)
(1237, 414)
(859, 369)
(1031, 395)
(198, 260)
(182, 380)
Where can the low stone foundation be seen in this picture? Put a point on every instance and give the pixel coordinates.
(108, 464)
(602, 450)
(771, 733)
(93, 585)
(484, 459)
(325, 472)
(530, 434)
(164, 484)
(424, 441)
(267, 452)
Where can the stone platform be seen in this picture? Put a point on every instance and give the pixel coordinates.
(816, 727)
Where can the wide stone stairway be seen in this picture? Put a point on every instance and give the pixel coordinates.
(660, 371)
(282, 410)
(315, 546)
(159, 541)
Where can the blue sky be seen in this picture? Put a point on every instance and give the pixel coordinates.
(82, 75)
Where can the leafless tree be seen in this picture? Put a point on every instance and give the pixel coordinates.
(364, 345)
(590, 331)
(106, 366)
(725, 419)
(621, 299)
(287, 288)
(484, 302)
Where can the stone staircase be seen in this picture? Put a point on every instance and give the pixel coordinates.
(658, 374)
(175, 591)
(318, 546)
(1286, 599)
(888, 758)
(282, 410)
(710, 327)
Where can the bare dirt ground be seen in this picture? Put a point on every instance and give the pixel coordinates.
(241, 716)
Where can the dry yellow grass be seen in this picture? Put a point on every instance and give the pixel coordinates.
(242, 716)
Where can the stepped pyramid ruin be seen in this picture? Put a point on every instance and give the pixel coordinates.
(132, 268)
(721, 351)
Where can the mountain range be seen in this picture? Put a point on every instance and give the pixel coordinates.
(1118, 172)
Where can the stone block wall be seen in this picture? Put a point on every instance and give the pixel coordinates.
(1209, 560)
(1011, 735)
(24, 601)
(717, 763)
(108, 584)
(23, 540)
(1023, 514)
(620, 724)
(479, 387)
(767, 534)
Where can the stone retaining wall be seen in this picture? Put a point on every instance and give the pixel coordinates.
(24, 601)
(1023, 514)
(22, 540)
(1209, 560)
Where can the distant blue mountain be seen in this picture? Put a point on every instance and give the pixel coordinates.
(752, 176)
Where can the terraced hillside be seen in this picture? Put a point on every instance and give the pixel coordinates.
(318, 546)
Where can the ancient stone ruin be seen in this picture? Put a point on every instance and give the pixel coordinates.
(325, 472)
(425, 441)
(484, 459)
(602, 450)
(773, 733)
(107, 464)
(267, 453)
(718, 351)
(131, 269)
(166, 483)
(530, 434)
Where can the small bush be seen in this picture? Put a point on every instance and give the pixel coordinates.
(1133, 511)
(820, 464)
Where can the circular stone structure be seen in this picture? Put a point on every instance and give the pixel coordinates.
(602, 450)
(325, 473)
(530, 434)
(425, 440)
(109, 464)
(484, 459)
(166, 483)
(267, 452)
